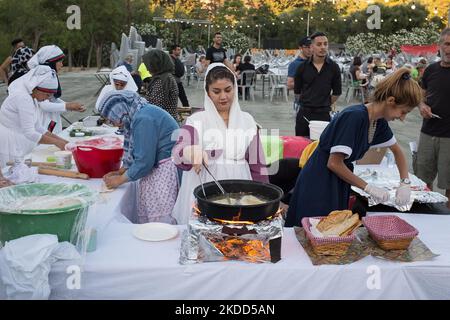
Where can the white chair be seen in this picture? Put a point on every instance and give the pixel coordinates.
(276, 86)
(248, 83)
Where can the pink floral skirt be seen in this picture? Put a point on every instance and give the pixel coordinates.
(158, 193)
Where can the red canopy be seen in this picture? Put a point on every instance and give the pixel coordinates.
(420, 50)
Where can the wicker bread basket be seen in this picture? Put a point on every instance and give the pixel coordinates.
(390, 232)
(327, 246)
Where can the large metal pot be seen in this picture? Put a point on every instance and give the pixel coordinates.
(227, 212)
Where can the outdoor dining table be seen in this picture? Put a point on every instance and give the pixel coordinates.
(124, 267)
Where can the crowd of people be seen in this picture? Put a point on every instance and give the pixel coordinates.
(158, 146)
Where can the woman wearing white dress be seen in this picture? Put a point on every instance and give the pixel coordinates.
(20, 130)
(121, 79)
(223, 136)
(52, 108)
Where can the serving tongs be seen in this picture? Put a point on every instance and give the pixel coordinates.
(222, 190)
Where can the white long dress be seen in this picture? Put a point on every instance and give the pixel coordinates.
(234, 140)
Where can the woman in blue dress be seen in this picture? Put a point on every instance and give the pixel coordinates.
(324, 184)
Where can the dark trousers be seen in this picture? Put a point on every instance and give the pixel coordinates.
(182, 95)
(302, 126)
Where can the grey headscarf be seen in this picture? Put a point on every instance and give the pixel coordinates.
(160, 66)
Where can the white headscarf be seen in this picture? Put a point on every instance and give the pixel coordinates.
(46, 54)
(42, 77)
(122, 74)
(212, 129)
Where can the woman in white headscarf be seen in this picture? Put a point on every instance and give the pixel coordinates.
(223, 136)
(20, 130)
(120, 79)
(51, 109)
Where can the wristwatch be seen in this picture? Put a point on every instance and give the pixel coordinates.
(405, 181)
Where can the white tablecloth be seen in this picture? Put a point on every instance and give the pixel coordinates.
(126, 268)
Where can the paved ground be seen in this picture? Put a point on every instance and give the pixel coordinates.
(83, 86)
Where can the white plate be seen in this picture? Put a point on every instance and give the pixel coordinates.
(155, 232)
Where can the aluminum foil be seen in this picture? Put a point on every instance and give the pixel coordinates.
(388, 178)
(201, 241)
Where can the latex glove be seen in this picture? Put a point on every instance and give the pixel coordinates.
(379, 194)
(403, 195)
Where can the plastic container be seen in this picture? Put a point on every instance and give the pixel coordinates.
(316, 129)
(97, 162)
(67, 222)
(63, 159)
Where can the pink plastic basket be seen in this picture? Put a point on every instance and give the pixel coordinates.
(328, 246)
(390, 232)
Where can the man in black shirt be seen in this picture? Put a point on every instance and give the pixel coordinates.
(433, 154)
(217, 54)
(317, 85)
(175, 53)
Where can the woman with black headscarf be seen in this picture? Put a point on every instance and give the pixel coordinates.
(162, 90)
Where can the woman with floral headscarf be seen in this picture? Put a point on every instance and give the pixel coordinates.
(51, 109)
(148, 144)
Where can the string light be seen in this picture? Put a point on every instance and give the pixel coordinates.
(435, 10)
(395, 20)
(292, 20)
(356, 20)
(413, 6)
(410, 19)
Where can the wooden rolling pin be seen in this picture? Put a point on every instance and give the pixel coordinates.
(36, 164)
(49, 171)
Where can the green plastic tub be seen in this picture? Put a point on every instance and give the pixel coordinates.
(64, 221)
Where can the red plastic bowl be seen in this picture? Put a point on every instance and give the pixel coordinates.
(97, 162)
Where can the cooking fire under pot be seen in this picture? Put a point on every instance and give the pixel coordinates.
(268, 194)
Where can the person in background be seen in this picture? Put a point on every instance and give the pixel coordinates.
(179, 71)
(148, 144)
(20, 130)
(318, 85)
(433, 154)
(237, 60)
(120, 79)
(217, 54)
(5, 66)
(223, 137)
(367, 66)
(421, 66)
(128, 63)
(246, 66)
(52, 108)
(162, 90)
(201, 66)
(357, 74)
(390, 65)
(304, 45)
(19, 63)
(325, 181)
(145, 74)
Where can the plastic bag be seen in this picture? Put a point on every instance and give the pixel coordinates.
(20, 173)
(104, 143)
(58, 209)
